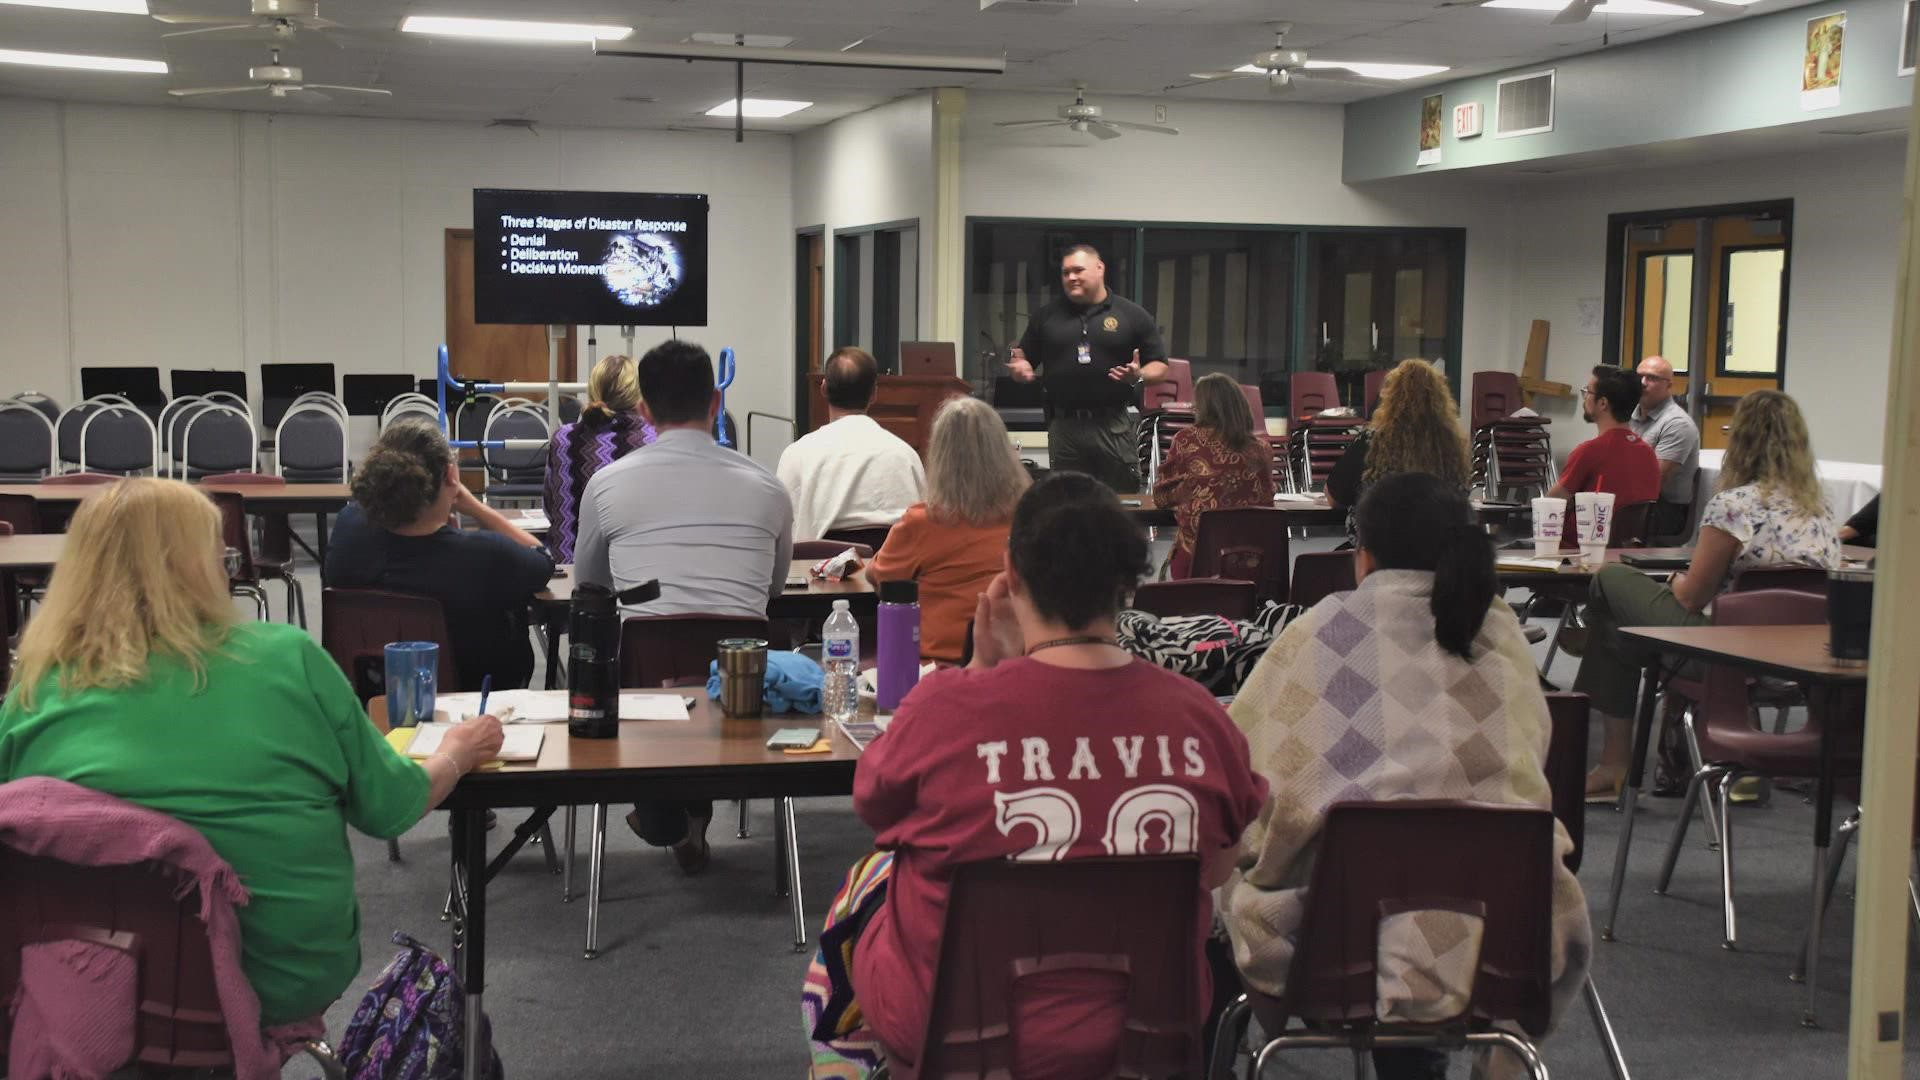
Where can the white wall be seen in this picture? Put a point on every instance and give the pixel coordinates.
(1846, 232)
(866, 169)
(1251, 163)
(213, 239)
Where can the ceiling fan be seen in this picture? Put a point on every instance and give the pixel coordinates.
(1577, 11)
(1086, 119)
(281, 81)
(279, 19)
(1282, 67)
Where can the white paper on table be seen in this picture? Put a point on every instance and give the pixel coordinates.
(520, 743)
(654, 707)
(870, 687)
(534, 521)
(528, 706)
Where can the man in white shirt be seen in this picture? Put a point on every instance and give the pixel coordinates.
(711, 524)
(851, 473)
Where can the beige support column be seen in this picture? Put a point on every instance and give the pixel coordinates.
(949, 226)
(1893, 693)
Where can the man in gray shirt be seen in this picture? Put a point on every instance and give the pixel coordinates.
(1662, 424)
(712, 525)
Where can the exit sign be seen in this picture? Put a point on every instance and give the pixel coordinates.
(1467, 120)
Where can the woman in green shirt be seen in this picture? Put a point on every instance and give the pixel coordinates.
(134, 679)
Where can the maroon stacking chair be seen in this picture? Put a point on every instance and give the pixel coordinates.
(1628, 529)
(1308, 392)
(273, 556)
(1730, 746)
(1375, 382)
(22, 512)
(1566, 769)
(874, 538)
(1376, 857)
(243, 580)
(1010, 921)
(21, 516)
(827, 549)
(1248, 543)
(1319, 574)
(138, 909)
(1493, 396)
(1175, 389)
(1196, 596)
(54, 516)
(81, 478)
(356, 625)
(1791, 576)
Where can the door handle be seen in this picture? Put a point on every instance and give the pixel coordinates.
(1376, 335)
(1325, 337)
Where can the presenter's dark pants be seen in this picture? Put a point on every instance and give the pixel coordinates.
(1099, 442)
(664, 824)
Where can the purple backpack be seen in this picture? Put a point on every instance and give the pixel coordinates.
(410, 1025)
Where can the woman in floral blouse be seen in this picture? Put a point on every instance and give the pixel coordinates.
(1768, 510)
(1217, 464)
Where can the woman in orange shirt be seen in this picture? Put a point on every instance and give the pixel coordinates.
(954, 543)
(1217, 464)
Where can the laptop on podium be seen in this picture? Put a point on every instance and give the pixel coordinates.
(927, 358)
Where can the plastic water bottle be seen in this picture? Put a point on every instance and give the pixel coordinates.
(840, 696)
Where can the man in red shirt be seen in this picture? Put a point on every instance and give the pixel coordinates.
(1053, 744)
(1616, 459)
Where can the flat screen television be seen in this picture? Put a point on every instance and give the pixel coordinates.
(603, 258)
(280, 384)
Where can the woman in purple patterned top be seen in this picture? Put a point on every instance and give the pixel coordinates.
(609, 429)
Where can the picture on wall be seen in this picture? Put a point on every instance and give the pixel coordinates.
(1820, 67)
(1430, 113)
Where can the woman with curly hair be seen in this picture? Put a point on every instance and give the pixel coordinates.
(399, 534)
(1415, 429)
(1768, 510)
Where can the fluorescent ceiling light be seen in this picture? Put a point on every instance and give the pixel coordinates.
(760, 108)
(84, 63)
(511, 29)
(116, 7)
(1611, 7)
(1380, 71)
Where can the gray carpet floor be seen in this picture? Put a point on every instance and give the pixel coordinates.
(698, 976)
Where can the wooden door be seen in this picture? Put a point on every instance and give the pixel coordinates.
(1745, 269)
(490, 352)
(810, 310)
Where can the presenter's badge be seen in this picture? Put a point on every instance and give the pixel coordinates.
(1110, 324)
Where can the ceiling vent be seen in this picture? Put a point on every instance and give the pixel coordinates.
(1524, 105)
(1047, 6)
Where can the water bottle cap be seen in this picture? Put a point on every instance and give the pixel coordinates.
(899, 592)
(840, 605)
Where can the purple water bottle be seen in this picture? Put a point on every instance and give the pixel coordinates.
(897, 650)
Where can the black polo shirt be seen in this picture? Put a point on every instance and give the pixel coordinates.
(1112, 329)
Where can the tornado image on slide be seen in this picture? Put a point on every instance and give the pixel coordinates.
(642, 269)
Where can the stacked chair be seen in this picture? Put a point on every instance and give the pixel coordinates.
(1511, 454)
(1165, 409)
(1317, 442)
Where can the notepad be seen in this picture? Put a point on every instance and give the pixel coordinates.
(861, 733)
(550, 706)
(1513, 563)
(534, 521)
(655, 707)
(521, 743)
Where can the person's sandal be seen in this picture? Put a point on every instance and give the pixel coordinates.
(694, 853)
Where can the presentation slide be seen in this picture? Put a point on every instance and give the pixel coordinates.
(603, 258)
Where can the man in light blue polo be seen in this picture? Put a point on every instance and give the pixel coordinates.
(1662, 424)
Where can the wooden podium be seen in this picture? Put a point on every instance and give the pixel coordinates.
(903, 404)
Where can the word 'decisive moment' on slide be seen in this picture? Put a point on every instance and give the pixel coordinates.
(601, 258)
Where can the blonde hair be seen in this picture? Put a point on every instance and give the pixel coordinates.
(614, 387)
(1769, 447)
(1219, 405)
(973, 475)
(142, 575)
(1417, 427)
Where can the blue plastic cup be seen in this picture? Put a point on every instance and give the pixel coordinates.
(411, 670)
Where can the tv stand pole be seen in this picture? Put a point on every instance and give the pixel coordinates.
(556, 334)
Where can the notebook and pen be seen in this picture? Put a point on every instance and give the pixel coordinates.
(513, 707)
